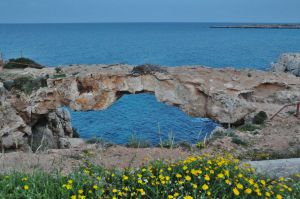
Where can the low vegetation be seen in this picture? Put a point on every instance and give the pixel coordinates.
(136, 142)
(249, 127)
(260, 118)
(26, 83)
(195, 177)
(21, 63)
(57, 76)
(147, 69)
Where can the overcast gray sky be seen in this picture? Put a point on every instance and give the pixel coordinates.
(54, 11)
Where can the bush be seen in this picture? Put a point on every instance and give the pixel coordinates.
(58, 70)
(8, 84)
(147, 69)
(237, 140)
(260, 117)
(59, 76)
(22, 63)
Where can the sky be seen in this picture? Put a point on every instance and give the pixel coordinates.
(72, 11)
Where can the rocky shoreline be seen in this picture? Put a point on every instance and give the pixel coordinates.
(31, 118)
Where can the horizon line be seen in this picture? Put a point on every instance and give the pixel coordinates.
(135, 22)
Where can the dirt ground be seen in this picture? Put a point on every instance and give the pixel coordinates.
(66, 160)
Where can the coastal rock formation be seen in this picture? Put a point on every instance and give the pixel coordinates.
(226, 96)
(288, 63)
(21, 129)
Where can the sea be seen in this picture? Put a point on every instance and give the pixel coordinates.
(167, 44)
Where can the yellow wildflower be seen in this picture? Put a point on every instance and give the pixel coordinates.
(178, 175)
(205, 187)
(80, 191)
(95, 187)
(188, 178)
(248, 191)
(206, 177)
(220, 175)
(26, 187)
(278, 196)
(240, 186)
(125, 177)
(236, 191)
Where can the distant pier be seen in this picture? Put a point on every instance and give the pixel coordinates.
(262, 26)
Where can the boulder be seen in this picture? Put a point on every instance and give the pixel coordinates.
(288, 63)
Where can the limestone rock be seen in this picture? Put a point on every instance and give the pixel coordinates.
(289, 63)
(223, 95)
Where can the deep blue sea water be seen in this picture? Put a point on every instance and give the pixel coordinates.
(170, 44)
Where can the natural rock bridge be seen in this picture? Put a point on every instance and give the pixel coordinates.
(223, 95)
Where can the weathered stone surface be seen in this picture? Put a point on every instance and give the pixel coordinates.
(289, 63)
(224, 95)
(22, 128)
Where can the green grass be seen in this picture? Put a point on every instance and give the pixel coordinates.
(136, 142)
(248, 127)
(196, 177)
(57, 76)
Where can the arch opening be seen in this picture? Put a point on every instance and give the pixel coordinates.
(142, 116)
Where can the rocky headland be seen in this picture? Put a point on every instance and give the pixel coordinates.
(31, 99)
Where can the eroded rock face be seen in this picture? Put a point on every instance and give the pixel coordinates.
(20, 128)
(223, 95)
(289, 63)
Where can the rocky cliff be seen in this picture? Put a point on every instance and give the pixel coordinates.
(223, 95)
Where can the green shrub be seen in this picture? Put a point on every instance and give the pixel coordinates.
(248, 127)
(147, 69)
(8, 84)
(59, 76)
(260, 117)
(237, 140)
(22, 63)
(58, 70)
(26, 83)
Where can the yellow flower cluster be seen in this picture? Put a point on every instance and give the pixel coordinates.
(195, 177)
